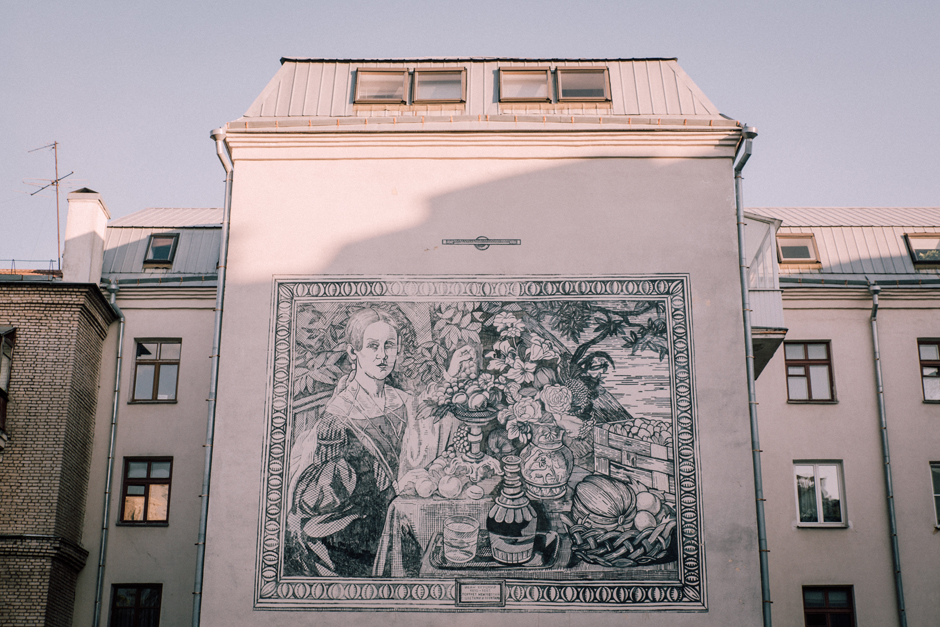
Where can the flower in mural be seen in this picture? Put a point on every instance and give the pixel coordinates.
(527, 410)
(521, 371)
(556, 399)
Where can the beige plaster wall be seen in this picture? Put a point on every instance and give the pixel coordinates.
(165, 555)
(859, 555)
(296, 211)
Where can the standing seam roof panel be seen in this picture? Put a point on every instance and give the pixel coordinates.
(298, 94)
(657, 87)
(326, 85)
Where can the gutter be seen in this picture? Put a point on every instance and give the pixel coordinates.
(889, 488)
(749, 133)
(225, 157)
(106, 508)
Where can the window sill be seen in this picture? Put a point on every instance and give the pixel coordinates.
(822, 525)
(812, 402)
(133, 402)
(123, 523)
(932, 402)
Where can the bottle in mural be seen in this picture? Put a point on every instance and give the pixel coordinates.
(512, 520)
(547, 464)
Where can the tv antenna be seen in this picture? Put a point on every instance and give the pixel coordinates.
(58, 238)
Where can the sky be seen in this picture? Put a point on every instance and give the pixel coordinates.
(844, 94)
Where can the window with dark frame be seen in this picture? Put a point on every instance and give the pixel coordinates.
(146, 491)
(444, 85)
(135, 604)
(797, 248)
(809, 371)
(525, 85)
(7, 338)
(819, 493)
(923, 247)
(935, 478)
(929, 353)
(583, 84)
(828, 606)
(161, 249)
(378, 86)
(156, 372)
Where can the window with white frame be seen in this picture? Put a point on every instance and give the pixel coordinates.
(819, 493)
(929, 353)
(797, 248)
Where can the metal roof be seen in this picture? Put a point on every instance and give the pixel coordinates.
(318, 88)
(853, 216)
(170, 217)
(196, 259)
(854, 241)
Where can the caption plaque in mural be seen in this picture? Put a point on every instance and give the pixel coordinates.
(481, 444)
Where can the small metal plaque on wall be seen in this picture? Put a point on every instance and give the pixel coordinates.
(454, 443)
(476, 593)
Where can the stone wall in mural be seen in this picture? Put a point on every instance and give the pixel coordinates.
(479, 444)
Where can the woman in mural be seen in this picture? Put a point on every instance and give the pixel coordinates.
(365, 441)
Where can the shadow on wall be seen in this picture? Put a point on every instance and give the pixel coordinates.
(596, 216)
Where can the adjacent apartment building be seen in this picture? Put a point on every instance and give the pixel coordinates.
(471, 336)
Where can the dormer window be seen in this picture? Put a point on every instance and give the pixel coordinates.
(583, 85)
(439, 86)
(797, 248)
(924, 247)
(525, 85)
(161, 249)
(381, 86)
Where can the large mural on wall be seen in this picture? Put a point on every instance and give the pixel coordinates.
(481, 444)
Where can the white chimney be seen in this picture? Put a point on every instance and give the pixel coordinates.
(84, 237)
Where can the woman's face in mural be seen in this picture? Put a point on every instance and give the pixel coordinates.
(379, 350)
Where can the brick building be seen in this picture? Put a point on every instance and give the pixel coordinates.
(50, 384)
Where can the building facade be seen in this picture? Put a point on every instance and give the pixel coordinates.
(462, 294)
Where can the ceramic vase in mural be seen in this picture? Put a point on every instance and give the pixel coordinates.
(547, 464)
(512, 521)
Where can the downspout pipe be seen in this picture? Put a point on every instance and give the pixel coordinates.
(889, 487)
(749, 133)
(218, 135)
(106, 508)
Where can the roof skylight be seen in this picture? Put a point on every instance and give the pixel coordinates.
(525, 85)
(797, 248)
(924, 247)
(381, 86)
(584, 84)
(439, 85)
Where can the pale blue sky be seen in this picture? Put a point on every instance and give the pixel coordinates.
(845, 94)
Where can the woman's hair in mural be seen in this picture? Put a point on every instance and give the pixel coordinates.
(361, 319)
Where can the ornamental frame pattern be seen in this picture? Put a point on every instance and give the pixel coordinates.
(274, 590)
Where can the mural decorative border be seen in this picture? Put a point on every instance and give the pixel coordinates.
(275, 590)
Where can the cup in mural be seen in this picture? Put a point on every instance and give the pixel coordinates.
(460, 539)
